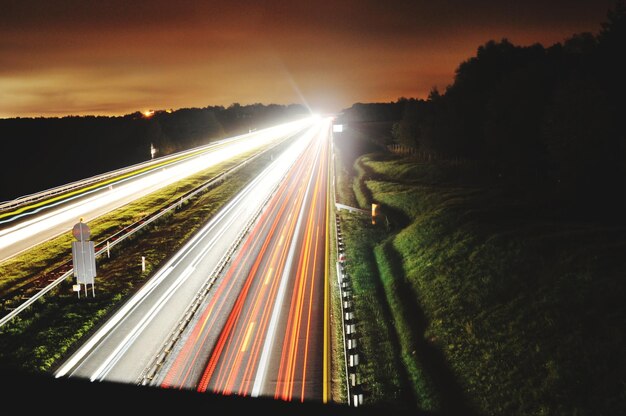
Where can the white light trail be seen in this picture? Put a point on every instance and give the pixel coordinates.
(261, 373)
(145, 184)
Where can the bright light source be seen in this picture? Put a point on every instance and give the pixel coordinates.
(147, 113)
(337, 128)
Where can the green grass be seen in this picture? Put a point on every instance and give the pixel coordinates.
(497, 310)
(357, 139)
(359, 187)
(343, 178)
(380, 370)
(338, 374)
(51, 328)
(394, 288)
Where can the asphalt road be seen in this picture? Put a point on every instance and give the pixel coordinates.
(263, 329)
(122, 348)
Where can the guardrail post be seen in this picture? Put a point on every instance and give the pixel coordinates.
(354, 388)
(353, 356)
(352, 376)
(357, 396)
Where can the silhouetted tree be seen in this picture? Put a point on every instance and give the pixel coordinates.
(407, 131)
(550, 118)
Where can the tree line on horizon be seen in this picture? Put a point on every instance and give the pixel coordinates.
(40, 153)
(546, 120)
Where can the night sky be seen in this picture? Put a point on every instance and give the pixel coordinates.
(109, 57)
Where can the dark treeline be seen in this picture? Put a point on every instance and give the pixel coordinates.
(543, 121)
(39, 153)
(372, 112)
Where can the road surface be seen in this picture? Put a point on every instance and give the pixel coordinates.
(124, 346)
(263, 330)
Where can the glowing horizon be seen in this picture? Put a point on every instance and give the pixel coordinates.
(117, 58)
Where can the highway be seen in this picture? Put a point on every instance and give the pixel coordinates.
(25, 225)
(263, 331)
(123, 347)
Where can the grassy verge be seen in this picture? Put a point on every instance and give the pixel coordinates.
(49, 329)
(343, 178)
(358, 139)
(498, 307)
(338, 381)
(381, 370)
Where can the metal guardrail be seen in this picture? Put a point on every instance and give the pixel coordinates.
(354, 388)
(135, 227)
(348, 323)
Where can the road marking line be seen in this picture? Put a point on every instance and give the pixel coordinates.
(244, 347)
(121, 349)
(326, 346)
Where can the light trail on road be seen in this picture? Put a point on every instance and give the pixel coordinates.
(262, 332)
(123, 347)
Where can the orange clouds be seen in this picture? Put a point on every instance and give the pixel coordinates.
(112, 57)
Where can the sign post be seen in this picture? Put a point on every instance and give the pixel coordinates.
(83, 258)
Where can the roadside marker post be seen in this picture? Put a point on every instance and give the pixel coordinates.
(374, 208)
(83, 258)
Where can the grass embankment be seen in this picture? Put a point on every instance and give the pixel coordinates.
(381, 371)
(51, 328)
(498, 306)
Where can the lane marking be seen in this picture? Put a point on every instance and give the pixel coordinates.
(326, 346)
(108, 364)
(244, 346)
